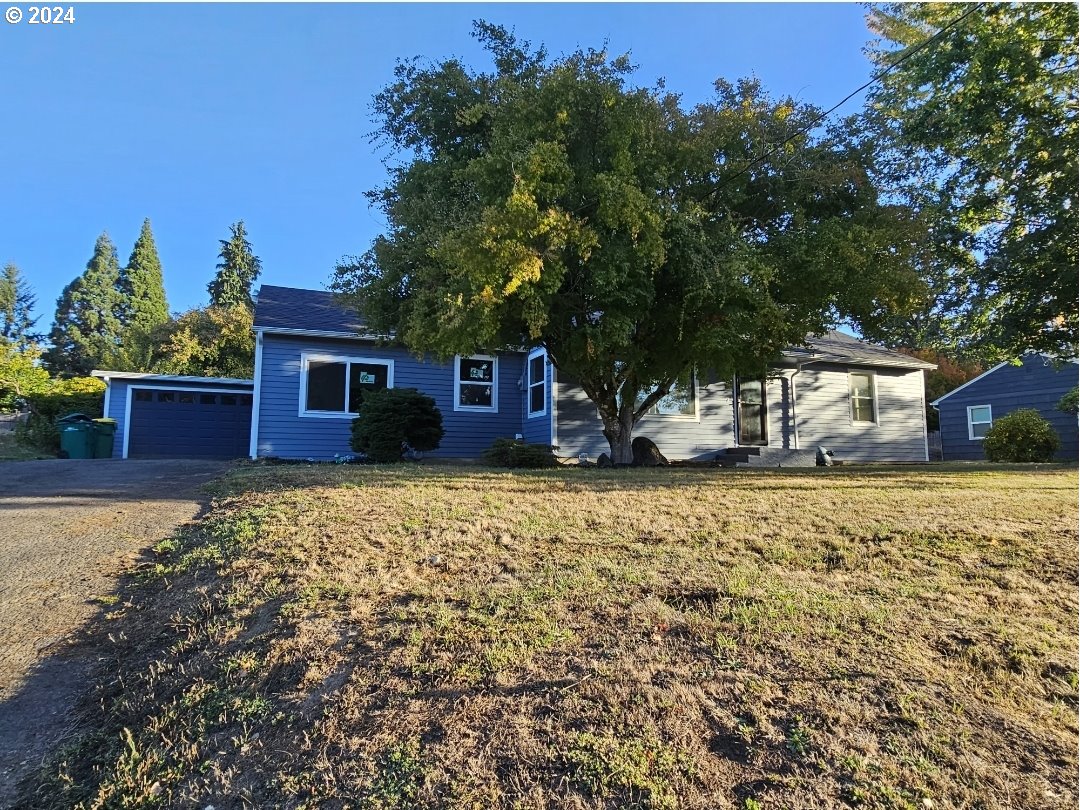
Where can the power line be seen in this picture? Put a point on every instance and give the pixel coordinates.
(876, 77)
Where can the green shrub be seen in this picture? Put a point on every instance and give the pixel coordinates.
(1070, 403)
(392, 417)
(75, 395)
(512, 453)
(1023, 435)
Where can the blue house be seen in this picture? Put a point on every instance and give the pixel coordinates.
(313, 359)
(967, 412)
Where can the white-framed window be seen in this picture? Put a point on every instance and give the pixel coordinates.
(980, 417)
(332, 386)
(536, 382)
(681, 401)
(476, 383)
(863, 394)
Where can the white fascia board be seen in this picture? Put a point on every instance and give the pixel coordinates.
(329, 333)
(943, 397)
(134, 375)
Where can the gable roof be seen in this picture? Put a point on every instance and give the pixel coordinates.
(837, 347)
(316, 312)
(289, 309)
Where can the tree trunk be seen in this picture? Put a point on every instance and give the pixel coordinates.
(619, 432)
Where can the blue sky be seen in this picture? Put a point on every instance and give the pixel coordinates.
(199, 115)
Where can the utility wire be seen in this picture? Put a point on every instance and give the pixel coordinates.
(876, 77)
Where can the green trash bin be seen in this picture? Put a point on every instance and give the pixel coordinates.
(104, 430)
(77, 432)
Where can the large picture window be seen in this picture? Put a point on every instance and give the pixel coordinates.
(980, 418)
(680, 401)
(335, 386)
(863, 407)
(536, 383)
(476, 383)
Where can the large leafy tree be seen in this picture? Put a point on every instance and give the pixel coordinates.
(17, 302)
(977, 124)
(87, 332)
(145, 307)
(553, 203)
(206, 342)
(237, 271)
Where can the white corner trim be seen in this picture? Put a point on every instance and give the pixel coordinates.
(969, 382)
(306, 357)
(458, 382)
(529, 383)
(554, 407)
(970, 426)
(925, 429)
(108, 398)
(253, 442)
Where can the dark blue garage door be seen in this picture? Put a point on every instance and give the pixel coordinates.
(188, 424)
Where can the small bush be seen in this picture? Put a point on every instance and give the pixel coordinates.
(512, 453)
(393, 417)
(1020, 436)
(1070, 403)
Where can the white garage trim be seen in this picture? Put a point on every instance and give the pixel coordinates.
(203, 389)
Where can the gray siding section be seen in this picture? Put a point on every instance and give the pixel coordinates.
(580, 430)
(823, 407)
(1034, 384)
(118, 393)
(283, 433)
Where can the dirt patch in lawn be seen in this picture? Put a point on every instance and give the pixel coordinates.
(438, 637)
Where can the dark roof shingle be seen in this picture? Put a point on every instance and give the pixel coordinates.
(308, 310)
(293, 309)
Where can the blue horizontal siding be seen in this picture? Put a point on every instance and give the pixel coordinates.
(536, 429)
(1036, 383)
(283, 433)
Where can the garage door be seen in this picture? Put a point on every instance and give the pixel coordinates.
(188, 424)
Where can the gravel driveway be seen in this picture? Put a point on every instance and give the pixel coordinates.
(67, 530)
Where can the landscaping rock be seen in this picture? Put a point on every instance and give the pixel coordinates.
(604, 461)
(646, 453)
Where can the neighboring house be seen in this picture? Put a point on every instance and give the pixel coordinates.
(313, 358)
(967, 412)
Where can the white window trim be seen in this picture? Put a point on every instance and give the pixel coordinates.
(682, 417)
(971, 425)
(131, 393)
(530, 383)
(873, 397)
(307, 357)
(494, 406)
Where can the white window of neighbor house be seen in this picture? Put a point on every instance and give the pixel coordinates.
(333, 386)
(536, 382)
(476, 383)
(979, 420)
(863, 404)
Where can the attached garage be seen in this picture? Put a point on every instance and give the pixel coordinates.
(167, 416)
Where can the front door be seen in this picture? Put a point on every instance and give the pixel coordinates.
(751, 412)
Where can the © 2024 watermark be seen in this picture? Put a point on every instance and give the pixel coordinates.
(40, 15)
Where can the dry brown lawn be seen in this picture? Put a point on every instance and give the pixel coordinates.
(437, 637)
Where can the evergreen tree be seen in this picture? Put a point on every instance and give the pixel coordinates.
(16, 303)
(88, 328)
(237, 271)
(144, 305)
